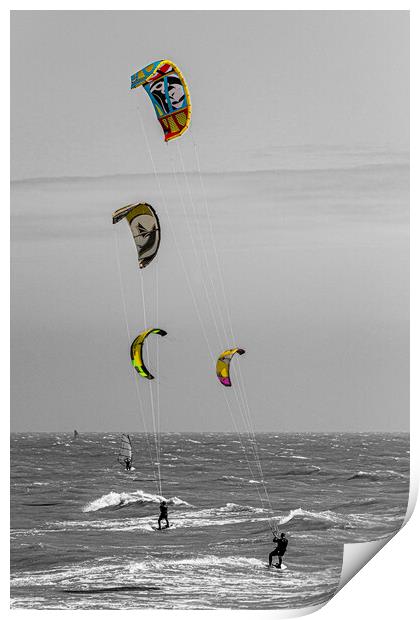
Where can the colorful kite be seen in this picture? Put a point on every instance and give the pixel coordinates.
(137, 350)
(144, 224)
(166, 87)
(223, 364)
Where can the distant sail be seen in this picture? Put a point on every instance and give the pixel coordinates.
(125, 449)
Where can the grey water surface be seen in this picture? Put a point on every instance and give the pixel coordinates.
(82, 528)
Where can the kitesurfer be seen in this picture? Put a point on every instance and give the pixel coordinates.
(280, 550)
(163, 514)
(127, 462)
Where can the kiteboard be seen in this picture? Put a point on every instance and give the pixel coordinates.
(282, 567)
(161, 529)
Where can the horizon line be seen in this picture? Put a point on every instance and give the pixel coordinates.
(42, 179)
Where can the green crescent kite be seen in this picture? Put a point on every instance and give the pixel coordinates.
(136, 352)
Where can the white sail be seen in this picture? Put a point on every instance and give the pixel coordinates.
(125, 449)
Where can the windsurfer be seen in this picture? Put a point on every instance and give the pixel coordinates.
(280, 550)
(163, 514)
(127, 462)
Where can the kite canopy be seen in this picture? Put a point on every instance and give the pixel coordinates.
(223, 364)
(144, 225)
(168, 91)
(136, 351)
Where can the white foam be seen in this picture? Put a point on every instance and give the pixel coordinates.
(124, 499)
(232, 507)
(326, 515)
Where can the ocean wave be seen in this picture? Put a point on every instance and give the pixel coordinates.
(296, 520)
(216, 561)
(301, 471)
(300, 520)
(205, 562)
(239, 479)
(377, 476)
(324, 519)
(94, 577)
(148, 524)
(119, 500)
(229, 514)
(232, 507)
(362, 501)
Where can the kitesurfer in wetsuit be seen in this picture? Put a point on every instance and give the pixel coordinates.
(127, 463)
(280, 550)
(163, 514)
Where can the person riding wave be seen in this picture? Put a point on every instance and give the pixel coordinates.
(163, 514)
(280, 550)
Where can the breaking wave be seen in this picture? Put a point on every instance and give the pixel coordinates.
(325, 519)
(119, 500)
(232, 507)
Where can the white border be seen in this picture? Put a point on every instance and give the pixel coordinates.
(387, 584)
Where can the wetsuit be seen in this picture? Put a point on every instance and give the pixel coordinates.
(128, 464)
(163, 515)
(280, 550)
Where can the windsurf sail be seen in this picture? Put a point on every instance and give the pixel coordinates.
(126, 451)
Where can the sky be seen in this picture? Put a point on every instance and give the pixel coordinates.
(302, 139)
(260, 81)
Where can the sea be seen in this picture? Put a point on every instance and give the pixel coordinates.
(83, 530)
